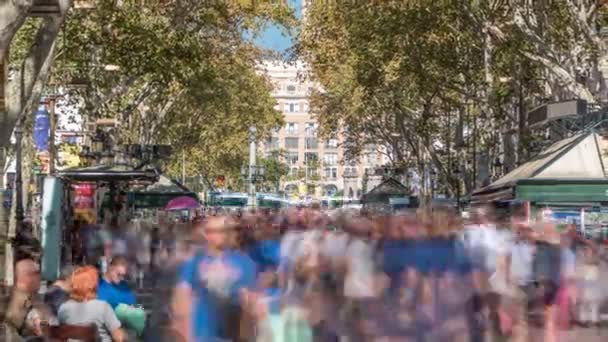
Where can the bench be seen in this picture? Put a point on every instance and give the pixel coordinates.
(61, 333)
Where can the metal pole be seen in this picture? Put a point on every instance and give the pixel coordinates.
(252, 150)
(18, 177)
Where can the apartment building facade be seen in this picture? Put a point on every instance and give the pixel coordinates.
(317, 165)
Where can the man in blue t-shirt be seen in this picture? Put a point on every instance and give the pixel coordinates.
(113, 287)
(210, 282)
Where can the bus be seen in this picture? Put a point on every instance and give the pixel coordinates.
(340, 202)
(228, 200)
(271, 201)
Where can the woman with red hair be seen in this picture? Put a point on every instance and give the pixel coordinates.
(84, 308)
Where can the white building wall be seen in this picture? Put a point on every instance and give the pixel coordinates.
(292, 91)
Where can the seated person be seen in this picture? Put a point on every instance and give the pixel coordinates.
(113, 287)
(84, 308)
(25, 314)
(59, 292)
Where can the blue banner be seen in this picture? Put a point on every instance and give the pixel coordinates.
(41, 129)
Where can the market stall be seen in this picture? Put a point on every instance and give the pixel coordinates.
(74, 195)
(389, 196)
(568, 178)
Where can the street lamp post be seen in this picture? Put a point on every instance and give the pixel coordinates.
(19, 215)
(252, 168)
(253, 174)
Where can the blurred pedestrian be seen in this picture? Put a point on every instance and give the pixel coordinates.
(59, 292)
(26, 316)
(209, 281)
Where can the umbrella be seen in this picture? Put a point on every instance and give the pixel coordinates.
(182, 203)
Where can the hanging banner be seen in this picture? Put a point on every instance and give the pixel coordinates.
(41, 129)
(52, 199)
(84, 202)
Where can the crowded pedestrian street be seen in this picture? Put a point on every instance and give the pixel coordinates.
(302, 274)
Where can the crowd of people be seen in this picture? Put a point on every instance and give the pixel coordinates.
(304, 274)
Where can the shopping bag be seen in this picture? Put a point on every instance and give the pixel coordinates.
(132, 317)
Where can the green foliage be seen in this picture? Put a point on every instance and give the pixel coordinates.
(437, 81)
(275, 169)
(23, 40)
(186, 76)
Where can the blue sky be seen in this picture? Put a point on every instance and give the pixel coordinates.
(273, 38)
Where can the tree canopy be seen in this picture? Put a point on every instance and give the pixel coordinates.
(444, 86)
(178, 73)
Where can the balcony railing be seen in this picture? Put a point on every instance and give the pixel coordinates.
(350, 173)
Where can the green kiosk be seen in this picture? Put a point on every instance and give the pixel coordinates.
(568, 178)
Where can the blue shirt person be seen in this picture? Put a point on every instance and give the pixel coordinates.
(214, 279)
(113, 288)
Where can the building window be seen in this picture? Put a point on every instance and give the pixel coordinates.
(292, 128)
(292, 107)
(312, 143)
(272, 143)
(330, 159)
(371, 158)
(291, 89)
(312, 172)
(331, 143)
(292, 158)
(311, 157)
(291, 143)
(305, 107)
(350, 171)
(330, 173)
(294, 171)
(311, 129)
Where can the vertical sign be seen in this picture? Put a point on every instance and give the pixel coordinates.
(84, 202)
(52, 197)
(41, 129)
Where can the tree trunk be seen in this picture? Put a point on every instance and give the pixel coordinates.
(23, 92)
(522, 119)
(4, 216)
(486, 109)
(509, 141)
(23, 98)
(12, 15)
